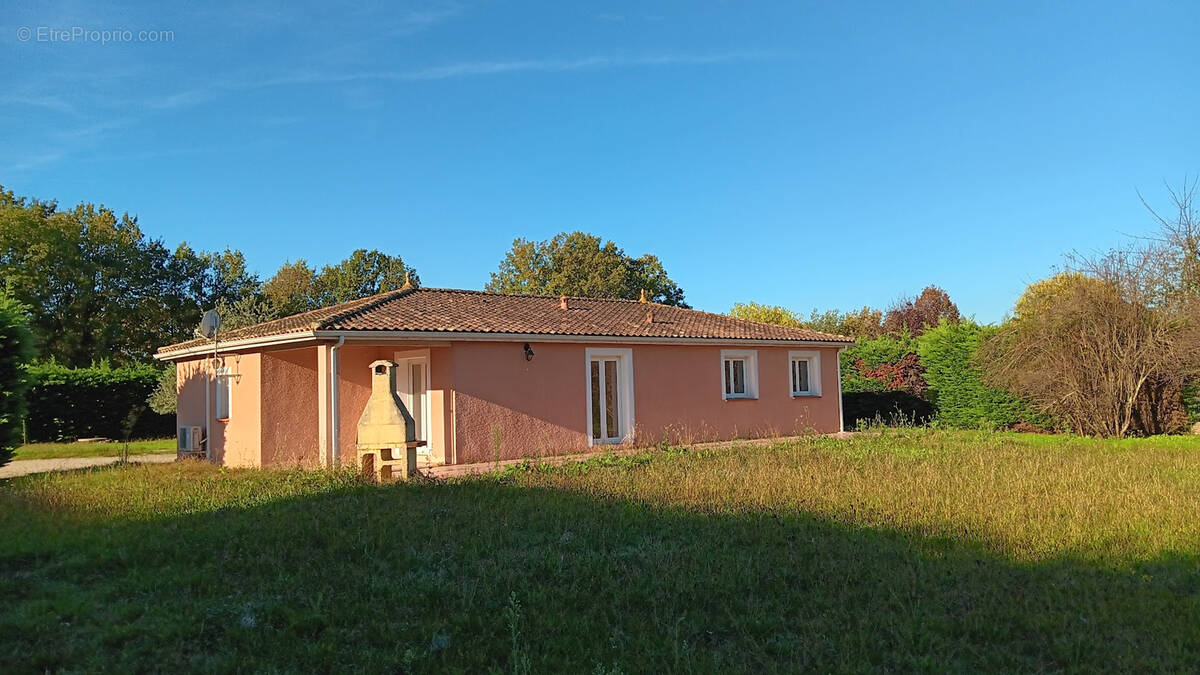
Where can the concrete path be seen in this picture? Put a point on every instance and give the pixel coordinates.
(24, 467)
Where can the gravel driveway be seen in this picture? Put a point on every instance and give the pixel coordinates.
(24, 467)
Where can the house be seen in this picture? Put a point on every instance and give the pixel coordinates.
(487, 376)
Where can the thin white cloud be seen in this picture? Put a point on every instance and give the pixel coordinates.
(424, 19)
(456, 70)
(68, 141)
(33, 161)
(479, 68)
(38, 101)
(90, 131)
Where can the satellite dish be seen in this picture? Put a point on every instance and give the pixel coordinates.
(209, 324)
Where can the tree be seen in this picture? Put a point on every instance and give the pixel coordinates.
(773, 314)
(862, 323)
(292, 289)
(224, 277)
(16, 348)
(246, 311)
(1111, 344)
(92, 281)
(1177, 246)
(363, 273)
(581, 264)
(97, 288)
(1083, 349)
(917, 314)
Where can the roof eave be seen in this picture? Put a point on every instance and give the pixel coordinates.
(472, 336)
(475, 336)
(260, 341)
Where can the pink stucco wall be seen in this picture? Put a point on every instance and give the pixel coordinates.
(539, 407)
(677, 390)
(355, 375)
(506, 407)
(235, 441)
(487, 402)
(190, 380)
(290, 434)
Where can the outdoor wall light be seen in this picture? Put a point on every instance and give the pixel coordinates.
(528, 352)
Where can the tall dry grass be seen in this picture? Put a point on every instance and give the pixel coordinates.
(899, 550)
(1026, 497)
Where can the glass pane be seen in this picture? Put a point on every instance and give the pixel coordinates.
(595, 399)
(728, 379)
(418, 399)
(610, 399)
(802, 376)
(739, 377)
(223, 396)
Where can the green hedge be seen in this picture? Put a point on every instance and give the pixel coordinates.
(100, 401)
(956, 388)
(16, 348)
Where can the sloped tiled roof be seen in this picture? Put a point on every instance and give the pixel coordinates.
(456, 311)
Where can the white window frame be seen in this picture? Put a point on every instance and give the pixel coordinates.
(814, 373)
(625, 407)
(224, 381)
(750, 357)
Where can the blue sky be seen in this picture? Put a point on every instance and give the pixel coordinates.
(804, 154)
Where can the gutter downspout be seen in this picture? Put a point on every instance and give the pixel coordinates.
(841, 415)
(204, 439)
(210, 381)
(334, 450)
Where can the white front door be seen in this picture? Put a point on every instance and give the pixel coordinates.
(412, 384)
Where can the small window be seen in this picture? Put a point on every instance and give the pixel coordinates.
(224, 393)
(739, 374)
(804, 373)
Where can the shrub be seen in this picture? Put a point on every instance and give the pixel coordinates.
(885, 363)
(956, 388)
(98, 401)
(16, 348)
(165, 397)
(1102, 351)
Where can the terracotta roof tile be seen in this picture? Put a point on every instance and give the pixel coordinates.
(448, 310)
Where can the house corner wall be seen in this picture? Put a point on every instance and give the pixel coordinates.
(236, 441)
(290, 407)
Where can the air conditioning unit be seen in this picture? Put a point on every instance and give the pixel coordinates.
(189, 439)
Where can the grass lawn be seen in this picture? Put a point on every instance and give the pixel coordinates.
(911, 550)
(59, 450)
